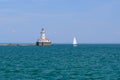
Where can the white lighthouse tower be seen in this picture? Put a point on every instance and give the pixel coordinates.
(43, 33)
(43, 40)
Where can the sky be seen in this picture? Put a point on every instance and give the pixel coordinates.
(90, 21)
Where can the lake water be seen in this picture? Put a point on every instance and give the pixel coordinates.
(60, 62)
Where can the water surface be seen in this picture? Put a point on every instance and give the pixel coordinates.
(60, 62)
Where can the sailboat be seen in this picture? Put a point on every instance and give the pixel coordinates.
(75, 41)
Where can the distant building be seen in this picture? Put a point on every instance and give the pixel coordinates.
(43, 41)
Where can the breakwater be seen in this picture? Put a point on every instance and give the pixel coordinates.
(17, 44)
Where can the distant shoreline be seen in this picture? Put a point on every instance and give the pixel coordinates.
(33, 44)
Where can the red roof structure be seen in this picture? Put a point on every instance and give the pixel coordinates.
(43, 39)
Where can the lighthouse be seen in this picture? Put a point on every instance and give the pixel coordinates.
(43, 41)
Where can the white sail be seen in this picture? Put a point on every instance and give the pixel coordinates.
(74, 41)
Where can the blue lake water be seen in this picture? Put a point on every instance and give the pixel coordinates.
(60, 62)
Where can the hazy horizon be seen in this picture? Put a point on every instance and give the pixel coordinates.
(90, 21)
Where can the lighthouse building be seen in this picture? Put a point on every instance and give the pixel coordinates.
(43, 41)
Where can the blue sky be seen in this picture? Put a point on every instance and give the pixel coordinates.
(91, 21)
